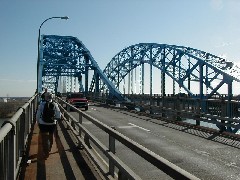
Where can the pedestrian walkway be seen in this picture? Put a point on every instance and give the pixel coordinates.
(63, 161)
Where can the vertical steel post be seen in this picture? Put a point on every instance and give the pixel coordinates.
(229, 108)
(12, 155)
(163, 90)
(189, 76)
(229, 105)
(22, 132)
(80, 122)
(118, 73)
(111, 149)
(131, 78)
(135, 80)
(174, 72)
(143, 78)
(198, 112)
(86, 140)
(201, 87)
(151, 73)
(129, 88)
(202, 102)
(223, 114)
(97, 84)
(86, 74)
(40, 65)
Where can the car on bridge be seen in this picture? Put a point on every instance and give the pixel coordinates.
(78, 100)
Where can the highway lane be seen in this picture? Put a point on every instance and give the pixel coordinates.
(205, 155)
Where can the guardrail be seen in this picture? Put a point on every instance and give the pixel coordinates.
(14, 138)
(219, 111)
(87, 139)
(223, 113)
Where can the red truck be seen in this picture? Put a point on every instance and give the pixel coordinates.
(78, 100)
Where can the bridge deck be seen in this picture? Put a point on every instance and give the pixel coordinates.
(64, 161)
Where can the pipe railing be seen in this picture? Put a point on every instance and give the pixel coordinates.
(224, 114)
(88, 140)
(14, 138)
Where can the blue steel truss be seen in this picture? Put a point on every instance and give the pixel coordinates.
(183, 64)
(67, 56)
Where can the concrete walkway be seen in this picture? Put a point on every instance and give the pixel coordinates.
(63, 161)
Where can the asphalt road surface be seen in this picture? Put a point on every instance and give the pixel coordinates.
(204, 154)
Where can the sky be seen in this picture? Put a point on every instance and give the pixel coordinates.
(106, 27)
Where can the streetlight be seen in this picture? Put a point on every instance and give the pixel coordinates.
(39, 33)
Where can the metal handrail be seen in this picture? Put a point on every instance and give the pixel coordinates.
(14, 137)
(124, 171)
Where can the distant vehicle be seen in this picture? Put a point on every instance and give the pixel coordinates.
(77, 100)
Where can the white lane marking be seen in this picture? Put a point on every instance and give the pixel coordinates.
(125, 127)
(139, 127)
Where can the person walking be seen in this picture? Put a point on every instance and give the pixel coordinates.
(47, 115)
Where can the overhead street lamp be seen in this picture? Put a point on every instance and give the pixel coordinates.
(39, 33)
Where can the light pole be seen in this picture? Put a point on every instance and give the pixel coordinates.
(39, 33)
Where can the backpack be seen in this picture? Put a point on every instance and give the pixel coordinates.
(48, 112)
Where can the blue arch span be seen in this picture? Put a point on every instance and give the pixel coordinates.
(67, 56)
(183, 64)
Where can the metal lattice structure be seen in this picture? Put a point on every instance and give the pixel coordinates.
(64, 60)
(184, 65)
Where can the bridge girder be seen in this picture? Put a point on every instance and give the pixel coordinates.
(68, 57)
(180, 63)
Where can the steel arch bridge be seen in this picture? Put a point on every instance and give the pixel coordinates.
(184, 65)
(65, 61)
